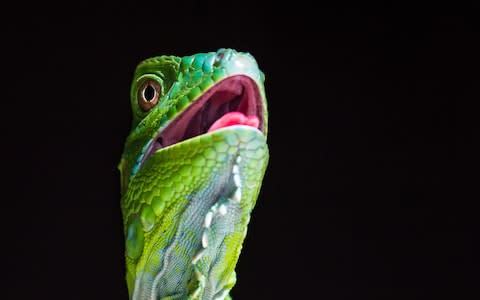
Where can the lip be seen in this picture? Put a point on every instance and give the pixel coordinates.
(237, 93)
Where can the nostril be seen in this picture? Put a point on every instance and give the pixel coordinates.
(223, 55)
(218, 59)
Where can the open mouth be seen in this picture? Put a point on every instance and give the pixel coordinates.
(235, 100)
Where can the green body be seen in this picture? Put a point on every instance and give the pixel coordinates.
(186, 208)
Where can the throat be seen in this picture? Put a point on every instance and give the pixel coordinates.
(209, 218)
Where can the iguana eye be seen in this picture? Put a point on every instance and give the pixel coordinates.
(148, 94)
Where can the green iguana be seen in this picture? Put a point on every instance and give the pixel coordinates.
(191, 172)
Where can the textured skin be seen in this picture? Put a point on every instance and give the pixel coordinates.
(186, 208)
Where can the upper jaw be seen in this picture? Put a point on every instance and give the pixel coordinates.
(241, 90)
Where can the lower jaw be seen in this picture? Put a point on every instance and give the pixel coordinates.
(242, 133)
(237, 156)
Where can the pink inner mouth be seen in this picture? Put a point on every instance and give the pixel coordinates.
(233, 101)
(234, 118)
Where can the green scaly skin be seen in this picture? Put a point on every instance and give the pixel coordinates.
(187, 206)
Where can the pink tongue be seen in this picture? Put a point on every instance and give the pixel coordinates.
(234, 118)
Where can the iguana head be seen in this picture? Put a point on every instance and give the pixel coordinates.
(191, 172)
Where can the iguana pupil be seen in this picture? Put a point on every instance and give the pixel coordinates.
(149, 93)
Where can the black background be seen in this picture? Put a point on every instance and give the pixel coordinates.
(368, 111)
